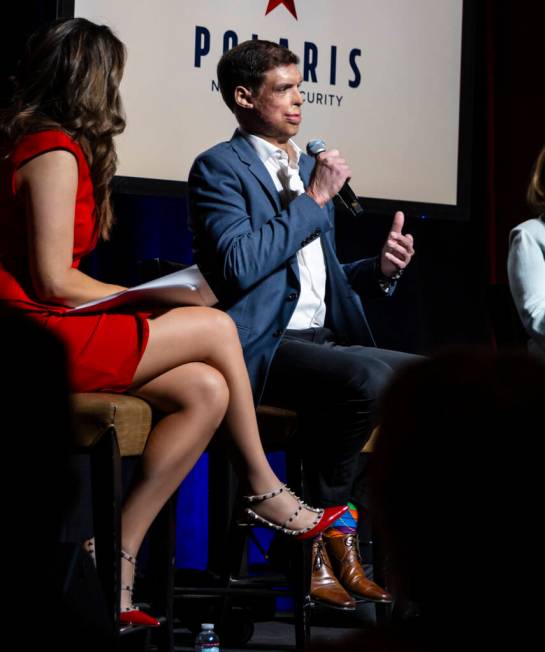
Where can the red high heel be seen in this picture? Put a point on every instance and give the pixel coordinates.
(324, 519)
(137, 617)
(330, 515)
(131, 615)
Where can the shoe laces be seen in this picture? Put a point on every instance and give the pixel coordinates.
(319, 556)
(352, 543)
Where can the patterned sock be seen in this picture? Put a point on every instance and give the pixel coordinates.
(345, 524)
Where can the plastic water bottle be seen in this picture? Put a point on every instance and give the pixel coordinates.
(207, 639)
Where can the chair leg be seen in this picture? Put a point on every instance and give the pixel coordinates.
(228, 561)
(237, 548)
(301, 597)
(106, 491)
(222, 488)
(301, 559)
(161, 572)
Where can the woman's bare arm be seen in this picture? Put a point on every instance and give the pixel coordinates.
(48, 184)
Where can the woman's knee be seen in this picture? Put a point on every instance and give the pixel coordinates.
(194, 386)
(210, 322)
(221, 324)
(209, 390)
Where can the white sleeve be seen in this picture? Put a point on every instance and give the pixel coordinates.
(526, 271)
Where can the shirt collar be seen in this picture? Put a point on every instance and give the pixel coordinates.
(266, 150)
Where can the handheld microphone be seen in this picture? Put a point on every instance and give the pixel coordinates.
(347, 195)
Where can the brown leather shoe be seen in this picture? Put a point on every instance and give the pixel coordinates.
(346, 563)
(324, 586)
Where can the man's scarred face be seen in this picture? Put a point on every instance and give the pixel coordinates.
(274, 112)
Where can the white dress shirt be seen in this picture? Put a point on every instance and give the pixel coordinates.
(310, 309)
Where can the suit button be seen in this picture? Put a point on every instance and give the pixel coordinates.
(277, 333)
(292, 296)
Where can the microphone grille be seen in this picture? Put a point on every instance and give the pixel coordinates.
(315, 147)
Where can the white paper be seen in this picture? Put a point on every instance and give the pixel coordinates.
(186, 287)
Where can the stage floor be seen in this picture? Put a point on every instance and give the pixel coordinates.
(279, 634)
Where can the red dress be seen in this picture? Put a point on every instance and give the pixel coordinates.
(104, 349)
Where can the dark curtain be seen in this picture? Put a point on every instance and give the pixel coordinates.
(515, 89)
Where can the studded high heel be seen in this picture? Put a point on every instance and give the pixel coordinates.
(325, 517)
(131, 615)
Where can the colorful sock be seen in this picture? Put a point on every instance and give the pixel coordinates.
(345, 524)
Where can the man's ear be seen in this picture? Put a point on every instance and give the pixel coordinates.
(244, 97)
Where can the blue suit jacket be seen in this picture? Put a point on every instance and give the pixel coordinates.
(246, 244)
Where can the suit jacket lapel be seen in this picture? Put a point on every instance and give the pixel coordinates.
(248, 156)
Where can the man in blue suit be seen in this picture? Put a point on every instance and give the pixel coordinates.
(263, 224)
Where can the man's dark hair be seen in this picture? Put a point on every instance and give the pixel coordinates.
(246, 65)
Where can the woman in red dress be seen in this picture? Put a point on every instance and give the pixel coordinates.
(57, 159)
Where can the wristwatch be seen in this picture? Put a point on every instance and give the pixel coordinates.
(386, 282)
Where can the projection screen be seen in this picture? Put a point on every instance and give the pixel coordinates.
(383, 83)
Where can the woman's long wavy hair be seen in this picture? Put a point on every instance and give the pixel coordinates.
(68, 78)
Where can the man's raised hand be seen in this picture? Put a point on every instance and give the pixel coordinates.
(397, 250)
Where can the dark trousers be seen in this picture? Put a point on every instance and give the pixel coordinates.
(334, 389)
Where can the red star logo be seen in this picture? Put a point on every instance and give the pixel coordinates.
(289, 4)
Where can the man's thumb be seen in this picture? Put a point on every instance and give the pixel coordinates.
(399, 220)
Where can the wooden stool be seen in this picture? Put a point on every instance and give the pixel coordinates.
(110, 427)
(277, 427)
(370, 444)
